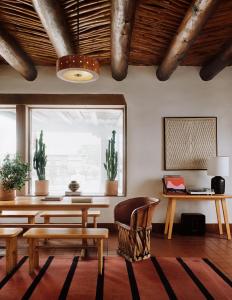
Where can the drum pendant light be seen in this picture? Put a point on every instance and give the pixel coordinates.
(77, 68)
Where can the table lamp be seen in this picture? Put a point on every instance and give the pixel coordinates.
(218, 166)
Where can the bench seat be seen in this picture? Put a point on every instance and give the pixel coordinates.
(10, 235)
(66, 233)
(33, 234)
(30, 215)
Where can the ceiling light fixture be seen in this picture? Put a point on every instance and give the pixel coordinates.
(77, 68)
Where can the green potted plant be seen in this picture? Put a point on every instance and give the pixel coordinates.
(111, 167)
(39, 164)
(13, 174)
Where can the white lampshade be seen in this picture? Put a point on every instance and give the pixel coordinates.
(218, 166)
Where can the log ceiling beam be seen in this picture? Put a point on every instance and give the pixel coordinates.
(218, 63)
(52, 18)
(122, 14)
(15, 56)
(191, 26)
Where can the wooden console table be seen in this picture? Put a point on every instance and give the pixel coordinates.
(171, 208)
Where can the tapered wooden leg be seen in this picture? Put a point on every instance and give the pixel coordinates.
(95, 222)
(226, 219)
(33, 256)
(100, 255)
(36, 255)
(172, 215)
(31, 220)
(11, 253)
(95, 226)
(217, 202)
(167, 217)
(84, 225)
(46, 221)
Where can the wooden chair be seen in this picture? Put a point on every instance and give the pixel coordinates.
(34, 234)
(134, 221)
(10, 235)
(30, 215)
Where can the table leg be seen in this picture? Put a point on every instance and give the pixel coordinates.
(84, 225)
(100, 255)
(172, 214)
(46, 221)
(33, 259)
(167, 217)
(226, 219)
(217, 205)
(11, 253)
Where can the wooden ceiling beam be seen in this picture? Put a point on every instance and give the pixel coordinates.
(218, 63)
(52, 18)
(192, 24)
(15, 56)
(122, 14)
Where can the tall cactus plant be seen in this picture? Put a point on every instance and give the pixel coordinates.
(40, 158)
(111, 164)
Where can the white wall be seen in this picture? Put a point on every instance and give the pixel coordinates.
(148, 100)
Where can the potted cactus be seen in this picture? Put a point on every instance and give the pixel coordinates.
(111, 167)
(13, 174)
(39, 164)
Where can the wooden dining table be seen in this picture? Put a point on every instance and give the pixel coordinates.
(37, 204)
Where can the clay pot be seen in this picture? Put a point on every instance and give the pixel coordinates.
(41, 187)
(74, 186)
(111, 188)
(7, 195)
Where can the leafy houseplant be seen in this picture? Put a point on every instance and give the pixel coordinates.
(13, 174)
(39, 164)
(111, 167)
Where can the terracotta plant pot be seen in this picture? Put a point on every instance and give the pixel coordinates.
(41, 187)
(111, 188)
(7, 195)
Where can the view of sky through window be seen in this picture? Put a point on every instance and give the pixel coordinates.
(76, 141)
(7, 132)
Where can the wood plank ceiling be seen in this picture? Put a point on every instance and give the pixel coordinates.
(156, 23)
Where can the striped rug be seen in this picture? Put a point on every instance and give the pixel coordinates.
(156, 278)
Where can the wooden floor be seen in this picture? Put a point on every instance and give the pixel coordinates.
(216, 248)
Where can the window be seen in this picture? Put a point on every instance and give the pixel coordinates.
(7, 132)
(76, 140)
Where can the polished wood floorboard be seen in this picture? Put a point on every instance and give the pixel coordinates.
(218, 249)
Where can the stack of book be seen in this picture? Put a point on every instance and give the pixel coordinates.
(81, 200)
(69, 193)
(52, 198)
(200, 191)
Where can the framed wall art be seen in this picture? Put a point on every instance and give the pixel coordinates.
(189, 142)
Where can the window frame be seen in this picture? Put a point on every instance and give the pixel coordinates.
(115, 107)
(22, 103)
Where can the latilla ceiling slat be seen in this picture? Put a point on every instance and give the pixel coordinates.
(156, 22)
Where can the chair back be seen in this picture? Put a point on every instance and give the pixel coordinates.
(141, 217)
(136, 212)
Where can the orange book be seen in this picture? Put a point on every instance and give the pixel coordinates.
(174, 183)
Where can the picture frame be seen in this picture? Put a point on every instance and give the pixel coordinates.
(189, 142)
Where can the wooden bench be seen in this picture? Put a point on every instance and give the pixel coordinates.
(30, 215)
(10, 236)
(34, 234)
(62, 214)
